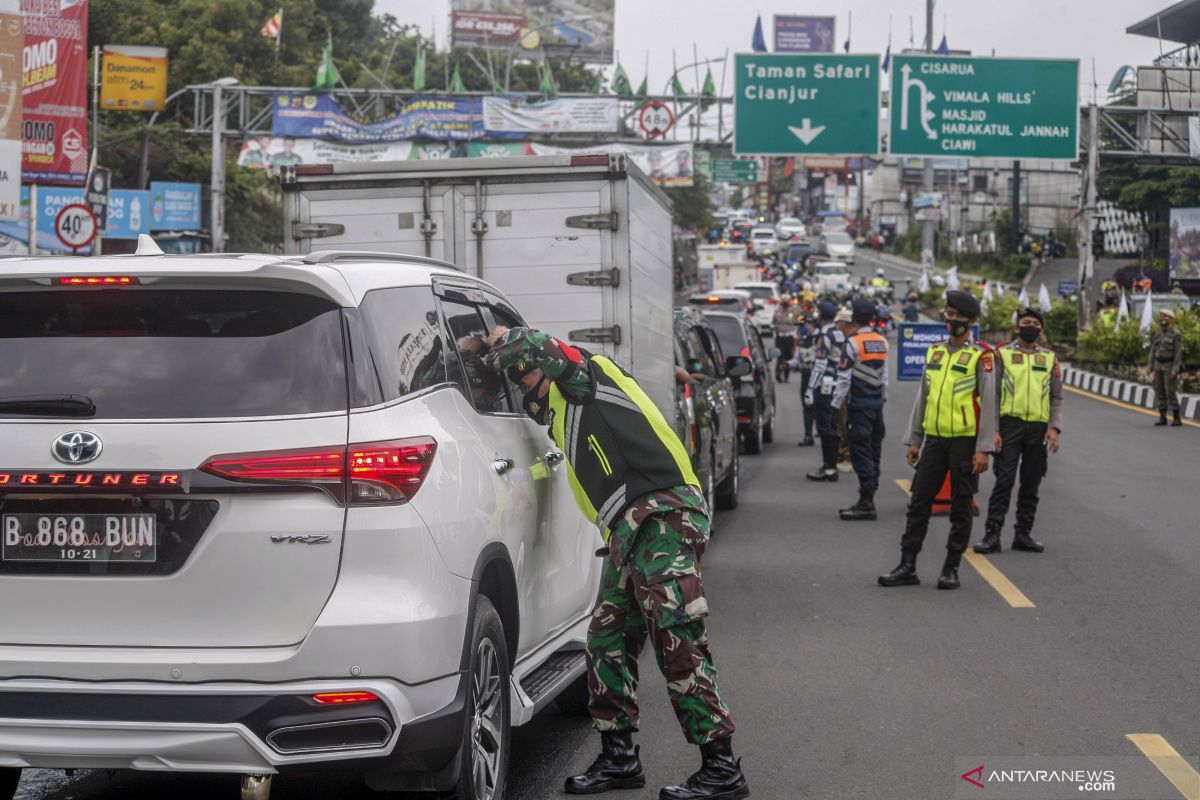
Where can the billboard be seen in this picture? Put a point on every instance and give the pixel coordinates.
(667, 165)
(1185, 243)
(128, 214)
(913, 340)
(54, 83)
(804, 34)
(133, 78)
(564, 115)
(175, 206)
(12, 42)
(266, 152)
(580, 29)
(309, 115)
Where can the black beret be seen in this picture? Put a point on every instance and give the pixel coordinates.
(964, 303)
(1031, 312)
(863, 310)
(826, 310)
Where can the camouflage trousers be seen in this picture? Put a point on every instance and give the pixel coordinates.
(651, 589)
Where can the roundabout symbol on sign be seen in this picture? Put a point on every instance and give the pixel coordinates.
(75, 226)
(656, 119)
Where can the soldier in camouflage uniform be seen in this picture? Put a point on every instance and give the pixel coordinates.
(651, 585)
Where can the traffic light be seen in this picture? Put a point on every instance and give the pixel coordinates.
(1098, 242)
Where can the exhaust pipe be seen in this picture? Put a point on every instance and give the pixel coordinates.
(256, 787)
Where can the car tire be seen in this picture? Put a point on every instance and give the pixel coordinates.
(727, 491)
(9, 778)
(754, 437)
(486, 729)
(769, 428)
(575, 697)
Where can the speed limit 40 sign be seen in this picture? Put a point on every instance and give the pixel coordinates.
(75, 226)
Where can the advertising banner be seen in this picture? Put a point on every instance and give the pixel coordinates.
(804, 34)
(580, 30)
(305, 115)
(914, 340)
(175, 206)
(54, 84)
(128, 214)
(14, 236)
(266, 152)
(667, 165)
(565, 115)
(12, 41)
(496, 149)
(1185, 243)
(133, 78)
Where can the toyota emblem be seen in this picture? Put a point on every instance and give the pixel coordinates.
(77, 447)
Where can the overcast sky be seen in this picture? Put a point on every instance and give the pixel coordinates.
(1083, 29)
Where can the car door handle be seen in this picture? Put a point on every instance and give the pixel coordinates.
(503, 465)
(555, 457)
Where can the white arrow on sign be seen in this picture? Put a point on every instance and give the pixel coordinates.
(806, 132)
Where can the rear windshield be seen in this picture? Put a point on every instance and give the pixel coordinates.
(759, 292)
(730, 332)
(145, 353)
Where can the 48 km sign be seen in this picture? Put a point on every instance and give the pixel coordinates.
(75, 226)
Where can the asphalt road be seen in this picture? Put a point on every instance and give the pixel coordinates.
(843, 689)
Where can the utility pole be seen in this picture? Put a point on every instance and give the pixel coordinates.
(216, 223)
(1015, 243)
(927, 254)
(1087, 202)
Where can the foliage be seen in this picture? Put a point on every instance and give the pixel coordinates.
(908, 244)
(1128, 345)
(998, 320)
(1062, 322)
(693, 208)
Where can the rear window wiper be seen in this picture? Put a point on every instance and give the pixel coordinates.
(51, 405)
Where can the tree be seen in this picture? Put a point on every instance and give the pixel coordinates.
(693, 208)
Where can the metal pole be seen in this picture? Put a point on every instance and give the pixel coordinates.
(96, 243)
(1015, 244)
(216, 224)
(33, 218)
(1087, 255)
(927, 254)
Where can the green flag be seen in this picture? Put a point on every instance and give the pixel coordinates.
(644, 89)
(676, 86)
(620, 82)
(547, 87)
(709, 90)
(456, 83)
(327, 74)
(598, 87)
(418, 82)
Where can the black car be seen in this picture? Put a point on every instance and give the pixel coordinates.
(755, 392)
(797, 252)
(706, 417)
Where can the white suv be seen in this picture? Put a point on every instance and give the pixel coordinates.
(269, 513)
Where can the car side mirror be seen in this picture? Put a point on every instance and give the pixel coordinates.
(738, 366)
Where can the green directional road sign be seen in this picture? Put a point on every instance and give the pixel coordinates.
(792, 104)
(984, 107)
(731, 170)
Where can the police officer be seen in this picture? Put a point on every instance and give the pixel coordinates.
(806, 342)
(862, 381)
(630, 473)
(1166, 357)
(952, 429)
(819, 395)
(1031, 399)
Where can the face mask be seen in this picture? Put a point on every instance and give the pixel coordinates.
(534, 404)
(957, 327)
(1164, 323)
(1028, 333)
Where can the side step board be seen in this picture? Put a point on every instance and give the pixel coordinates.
(537, 688)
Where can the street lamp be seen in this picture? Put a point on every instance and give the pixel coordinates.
(216, 224)
(513, 47)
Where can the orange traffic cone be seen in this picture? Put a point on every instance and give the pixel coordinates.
(941, 503)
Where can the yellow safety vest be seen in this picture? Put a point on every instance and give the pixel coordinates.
(950, 391)
(619, 446)
(1025, 389)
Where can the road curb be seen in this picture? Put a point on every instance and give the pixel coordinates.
(1138, 394)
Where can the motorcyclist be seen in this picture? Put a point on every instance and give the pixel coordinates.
(912, 312)
(784, 325)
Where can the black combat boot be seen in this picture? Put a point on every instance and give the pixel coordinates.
(720, 776)
(903, 575)
(1177, 422)
(1162, 418)
(617, 767)
(990, 543)
(949, 577)
(1023, 541)
(864, 509)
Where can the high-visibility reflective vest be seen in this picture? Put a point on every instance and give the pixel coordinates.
(618, 446)
(1025, 386)
(951, 384)
(868, 375)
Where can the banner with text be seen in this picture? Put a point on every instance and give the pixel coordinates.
(564, 115)
(667, 165)
(54, 80)
(266, 152)
(804, 34)
(133, 78)
(12, 43)
(14, 236)
(175, 206)
(914, 340)
(567, 28)
(318, 116)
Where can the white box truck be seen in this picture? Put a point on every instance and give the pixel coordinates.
(580, 244)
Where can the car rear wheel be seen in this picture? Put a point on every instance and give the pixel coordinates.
(486, 732)
(9, 778)
(727, 491)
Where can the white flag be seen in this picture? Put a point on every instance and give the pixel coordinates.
(987, 290)
(1123, 310)
(1023, 298)
(1147, 317)
(1044, 300)
(952, 282)
(923, 284)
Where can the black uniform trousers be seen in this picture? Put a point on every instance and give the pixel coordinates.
(1024, 451)
(939, 456)
(809, 415)
(826, 419)
(865, 430)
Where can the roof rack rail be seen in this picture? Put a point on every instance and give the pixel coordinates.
(337, 256)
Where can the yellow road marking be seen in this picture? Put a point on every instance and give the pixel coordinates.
(998, 581)
(1120, 404)
(1172, 765)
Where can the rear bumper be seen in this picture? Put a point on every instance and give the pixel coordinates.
(238, 728)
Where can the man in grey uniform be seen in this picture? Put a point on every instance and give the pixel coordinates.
(1166, 357)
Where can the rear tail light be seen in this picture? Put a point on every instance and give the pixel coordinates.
(745, 352)
(97, 280)
(343, 698)
(370, 473)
